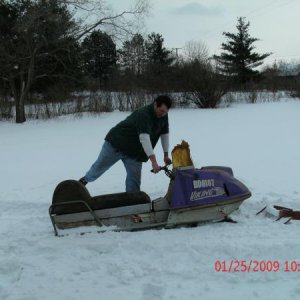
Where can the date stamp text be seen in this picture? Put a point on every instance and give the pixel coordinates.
(254, 266)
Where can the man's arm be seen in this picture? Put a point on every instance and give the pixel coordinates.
(147, 146)
(165, 145)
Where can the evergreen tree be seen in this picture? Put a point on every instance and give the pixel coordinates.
(157, 54)
(99, 54)
(39, 42)
(133, 55)
(36, 45)
(159, 61)
(239, 58)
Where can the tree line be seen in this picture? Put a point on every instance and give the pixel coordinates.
(46, 54)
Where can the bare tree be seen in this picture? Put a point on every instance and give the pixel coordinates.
(34, 44)
(203, 85)
(195, 50)
(100, 13)
(24, 37)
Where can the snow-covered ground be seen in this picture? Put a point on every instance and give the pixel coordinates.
(260, 142)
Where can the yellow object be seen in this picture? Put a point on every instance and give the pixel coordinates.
(181, 156)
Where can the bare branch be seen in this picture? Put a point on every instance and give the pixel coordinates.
(94, 14)
(195, 50)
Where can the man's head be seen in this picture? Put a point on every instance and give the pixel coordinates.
(162, 105)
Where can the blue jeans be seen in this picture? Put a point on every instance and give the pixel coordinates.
(108, 157)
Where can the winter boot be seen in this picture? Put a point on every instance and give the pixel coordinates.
(83, 181)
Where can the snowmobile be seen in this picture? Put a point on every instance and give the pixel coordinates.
(194, 196)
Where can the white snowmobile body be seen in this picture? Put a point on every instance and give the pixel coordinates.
(194, 196)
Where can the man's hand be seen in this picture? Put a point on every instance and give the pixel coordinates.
(155, 166)
(167, 159)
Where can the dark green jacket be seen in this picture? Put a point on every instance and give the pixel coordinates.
(124, 137)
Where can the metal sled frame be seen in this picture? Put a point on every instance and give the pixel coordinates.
(96, 219)
(146, 215)
(91, 216)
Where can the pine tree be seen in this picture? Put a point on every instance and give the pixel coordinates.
(239, 59)
(36, 47)
(156, 52)
(133, 55)
(99, 54)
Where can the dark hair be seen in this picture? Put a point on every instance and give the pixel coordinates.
(163, 99)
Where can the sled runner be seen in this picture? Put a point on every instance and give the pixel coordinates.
(194, 196)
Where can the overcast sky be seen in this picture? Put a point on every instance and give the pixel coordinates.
(275, 22)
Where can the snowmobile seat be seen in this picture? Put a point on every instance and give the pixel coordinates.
(69, 191)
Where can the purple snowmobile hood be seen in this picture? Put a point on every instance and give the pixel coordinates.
(209, 185)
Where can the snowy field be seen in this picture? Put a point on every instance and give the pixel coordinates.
(259, 141)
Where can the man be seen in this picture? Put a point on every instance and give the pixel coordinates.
(133, 141)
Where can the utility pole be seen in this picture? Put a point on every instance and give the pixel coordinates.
(176, 51)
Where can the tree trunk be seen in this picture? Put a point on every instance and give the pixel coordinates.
(20, 109)
(19, 101)
(21, 90)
